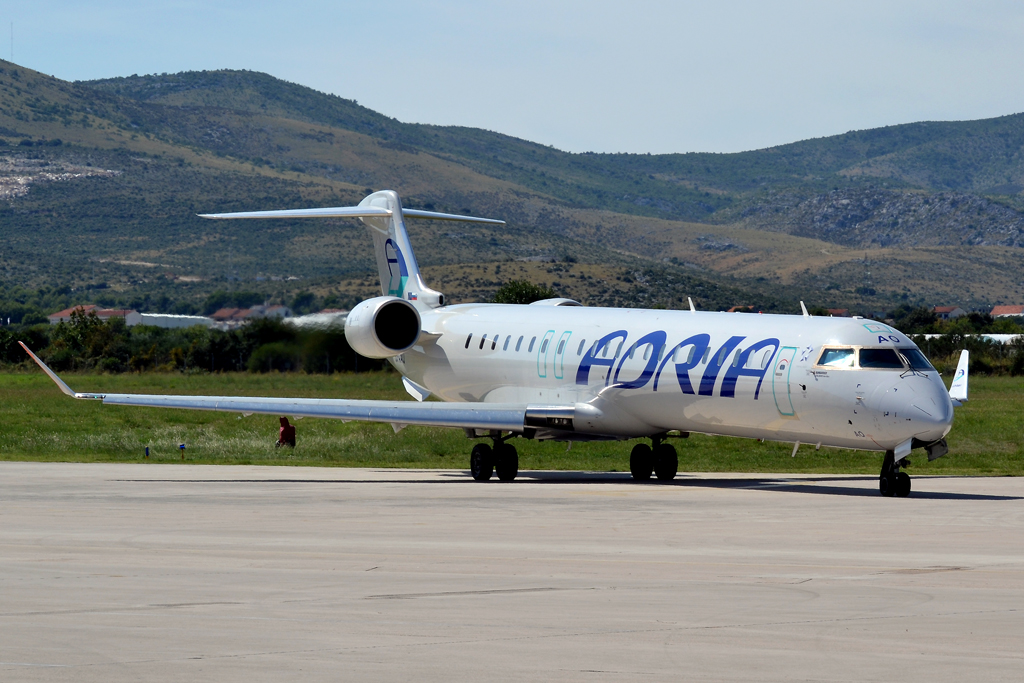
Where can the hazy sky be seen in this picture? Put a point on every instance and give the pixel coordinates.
(581, 76)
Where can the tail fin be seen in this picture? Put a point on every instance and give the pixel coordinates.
(382, 212)
(396, 263)
(958, 389)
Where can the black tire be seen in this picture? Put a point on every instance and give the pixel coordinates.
(481, 462)
(666, 462)
(902, 485)
(641, 462)
(887, 485)
(506, 462)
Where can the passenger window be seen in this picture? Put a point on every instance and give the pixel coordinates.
(482, 340)
(661, 353)
(494, 344)
(544, 346)
(469, 339)
(647, 352)
(632, 350)
(916, 359)
(884, 359)
(561, 346)
(707, 355)
(736, 358)
(604, 351)
(836, 358)
(619, 348)
(519, 343)
(532, 341)
(507, 340)
(579, 351)
(689, 356)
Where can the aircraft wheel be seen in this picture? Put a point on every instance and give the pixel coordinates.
(666, 462)
(887, 484)
(902, 485)
(641, 462)
(506, 461)
(481, 462)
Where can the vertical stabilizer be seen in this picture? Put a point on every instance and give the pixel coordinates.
(396, 263)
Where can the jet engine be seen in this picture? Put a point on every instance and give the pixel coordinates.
(382, 327)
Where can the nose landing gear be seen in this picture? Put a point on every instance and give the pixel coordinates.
(892, 481)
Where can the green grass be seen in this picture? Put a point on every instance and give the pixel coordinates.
(40, 424)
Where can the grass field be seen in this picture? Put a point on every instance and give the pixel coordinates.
(41, 424)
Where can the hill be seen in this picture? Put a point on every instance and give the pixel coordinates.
(103, 178)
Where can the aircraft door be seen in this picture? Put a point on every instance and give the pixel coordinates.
(560, 350)
(780, 381)
(543, 351)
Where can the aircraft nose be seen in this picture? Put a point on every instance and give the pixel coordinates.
(914, 406)
(932, 409)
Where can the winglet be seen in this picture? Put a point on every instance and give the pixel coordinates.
(804, 309)
(958, 389)
(57, 380)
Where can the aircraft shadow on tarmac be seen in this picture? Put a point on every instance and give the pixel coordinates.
(817, 485)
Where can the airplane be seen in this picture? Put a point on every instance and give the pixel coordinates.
(556, 369)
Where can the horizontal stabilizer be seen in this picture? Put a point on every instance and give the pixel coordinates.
(349, 212)
(958, 389)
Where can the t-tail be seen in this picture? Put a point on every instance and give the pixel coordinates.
(383, 214)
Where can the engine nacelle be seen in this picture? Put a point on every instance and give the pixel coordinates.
(382, 327)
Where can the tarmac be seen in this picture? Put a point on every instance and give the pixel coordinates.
(203, 573)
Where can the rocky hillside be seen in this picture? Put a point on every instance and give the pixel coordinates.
(101, 181)
(887, 218)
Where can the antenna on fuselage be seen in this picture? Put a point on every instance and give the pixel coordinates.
(804, 309)
(693, 309)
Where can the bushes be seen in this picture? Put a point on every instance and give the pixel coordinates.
(86, 343)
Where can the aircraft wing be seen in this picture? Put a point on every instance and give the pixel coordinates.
(958, 389)
(489, 416)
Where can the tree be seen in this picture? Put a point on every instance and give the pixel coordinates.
(521, 292)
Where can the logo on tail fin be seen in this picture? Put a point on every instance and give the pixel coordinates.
(399, 272)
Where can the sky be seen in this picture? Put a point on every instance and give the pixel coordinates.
(638, 76)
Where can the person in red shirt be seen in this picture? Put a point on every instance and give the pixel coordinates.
(287, 435)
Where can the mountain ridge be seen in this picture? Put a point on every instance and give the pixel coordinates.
(768, 225)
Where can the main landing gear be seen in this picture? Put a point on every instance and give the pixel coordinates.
(892, 481)
(661, 459)
(502, 460)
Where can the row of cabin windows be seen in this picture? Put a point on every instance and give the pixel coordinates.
(604, 351)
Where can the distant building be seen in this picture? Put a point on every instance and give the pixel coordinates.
(104, 314)
(839, 312)
(1007, 311)
(948, 312)
(169, 321)
(228, 318)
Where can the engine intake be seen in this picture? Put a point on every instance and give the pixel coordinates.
(382, 327)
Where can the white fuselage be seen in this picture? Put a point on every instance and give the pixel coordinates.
(632, 372)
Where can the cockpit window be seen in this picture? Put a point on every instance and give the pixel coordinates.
(836, 358)
(916, 359)
(880, 359)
